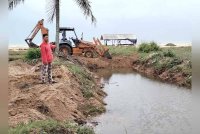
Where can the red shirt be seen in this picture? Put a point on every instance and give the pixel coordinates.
(46, 52)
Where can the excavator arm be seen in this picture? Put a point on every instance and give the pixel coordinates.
(37, 28)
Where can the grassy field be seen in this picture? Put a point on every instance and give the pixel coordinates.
(122, 50)
(15, 55)
(181, 52)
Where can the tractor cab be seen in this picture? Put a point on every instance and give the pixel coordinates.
(69, 36)
(69, 41)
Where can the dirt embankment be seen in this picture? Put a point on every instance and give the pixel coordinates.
(114, 63)
(29, 100)
(176, 76)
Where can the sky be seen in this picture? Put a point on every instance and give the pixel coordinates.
(150, 20)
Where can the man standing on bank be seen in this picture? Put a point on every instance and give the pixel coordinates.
(47, 58)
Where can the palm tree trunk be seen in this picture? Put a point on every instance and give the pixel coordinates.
(57, 23)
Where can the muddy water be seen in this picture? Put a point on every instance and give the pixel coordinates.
(138, 105)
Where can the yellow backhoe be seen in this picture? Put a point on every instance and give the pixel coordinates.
(71, 45)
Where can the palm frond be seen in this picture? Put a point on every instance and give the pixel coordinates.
(14, 3)
(51, 10)
(86, 8)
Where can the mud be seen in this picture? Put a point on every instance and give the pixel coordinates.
(29, 100)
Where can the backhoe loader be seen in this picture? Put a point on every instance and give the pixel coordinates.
(71, 45)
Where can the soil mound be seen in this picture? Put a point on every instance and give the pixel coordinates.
(29, 100)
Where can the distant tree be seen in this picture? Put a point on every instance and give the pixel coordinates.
(53, 11)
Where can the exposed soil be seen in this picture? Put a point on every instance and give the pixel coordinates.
(115, 62)
(29, 100)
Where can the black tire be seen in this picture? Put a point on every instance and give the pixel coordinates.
(107, 55)
(65, 50)
(89, 54)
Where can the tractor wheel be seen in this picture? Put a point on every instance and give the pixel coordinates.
(65, 51)
(89, 54)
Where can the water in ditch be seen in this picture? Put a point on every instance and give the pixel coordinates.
(139, 105)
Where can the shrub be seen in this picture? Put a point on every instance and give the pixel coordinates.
(167, 63)
(85, 130)
(144, 47)
(155, 55)
(160, 66)
(169, 53)
(154, 46)
(176, 61)
(89, 109)
(32, 53)
(148, 47)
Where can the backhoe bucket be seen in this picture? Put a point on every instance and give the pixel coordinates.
(107, 55)
(31, 44)
(101, 49)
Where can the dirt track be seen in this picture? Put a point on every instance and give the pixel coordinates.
(29, 100)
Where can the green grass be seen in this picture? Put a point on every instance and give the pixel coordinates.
(172, 59)
(59, 62)
(92, 110)
(31, 56)
(20, 52)
(85, 130)
(181, 52)
(16, 55)
(50, 127)
(83, 77)
(122, 50)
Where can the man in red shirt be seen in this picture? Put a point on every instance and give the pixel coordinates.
(47, 58)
